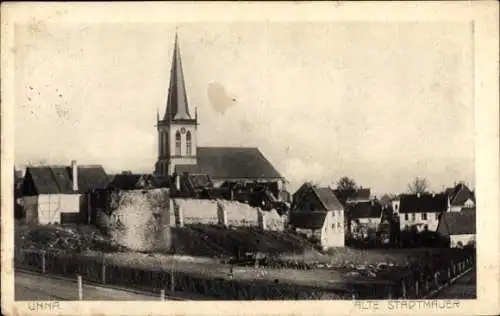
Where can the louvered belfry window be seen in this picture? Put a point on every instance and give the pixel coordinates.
(177, 143)
(188, 143)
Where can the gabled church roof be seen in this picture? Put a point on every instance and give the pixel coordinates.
(177, 102)
(232, 163)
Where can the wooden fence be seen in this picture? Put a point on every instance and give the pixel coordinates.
(410, 285)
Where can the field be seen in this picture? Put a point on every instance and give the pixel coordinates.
(200, 248)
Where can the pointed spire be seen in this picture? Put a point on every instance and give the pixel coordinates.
(177, 103)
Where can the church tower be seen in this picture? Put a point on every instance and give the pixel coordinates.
(177, 141)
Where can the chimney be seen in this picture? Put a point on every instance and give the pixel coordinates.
(74, 172)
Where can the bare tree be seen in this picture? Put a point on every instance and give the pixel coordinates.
(418, 185)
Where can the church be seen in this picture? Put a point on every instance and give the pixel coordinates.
(179, 153)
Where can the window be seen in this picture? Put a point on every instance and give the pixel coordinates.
(437, 216)
(406, 217)
(177, 143)
(188, 143)
(413, 216)
(424, 216)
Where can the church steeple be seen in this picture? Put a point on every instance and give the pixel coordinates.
(177, 131)
(177, 103)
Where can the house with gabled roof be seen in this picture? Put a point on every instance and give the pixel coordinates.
(359, 195)
(461, 196)
(318, 213)
(459, 228)
(178, 150)
(363, 216)
(421, 210)
(58, 194)
(131, 181)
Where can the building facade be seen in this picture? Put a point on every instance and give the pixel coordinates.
(420, 210)
(179, 153)
(58, 194)
(318, 213)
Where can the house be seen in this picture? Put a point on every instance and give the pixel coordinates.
(179, 153)
(420, 210)
(460, 197)
(349, 197)
(318, 213)
(58, 194)
(131, 181)
(459, 228)
(364, 216)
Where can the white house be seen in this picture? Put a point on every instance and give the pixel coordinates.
(459, 228)
(56, 194)
(317, 212)
(420, 210)
(460, 197)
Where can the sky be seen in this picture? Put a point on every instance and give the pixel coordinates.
(380, 102)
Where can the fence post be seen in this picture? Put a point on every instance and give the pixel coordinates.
(436, 279)
(403, 289)
(80, 287)
(172, 279)
(162, 295)
(43, 261)
(103, 270)
(416, 289)
(449, 274)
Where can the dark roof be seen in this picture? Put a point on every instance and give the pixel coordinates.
(58, 179)
(364, 210)
(468, 209)
(177, 101)
(413, 203)
(458, 223)
(450, 192)
(128, 181)
(200, 180)
(328, 198)
(235, 163)
(362, 194)
(349, 196)
(309, 220)
(463, 193)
